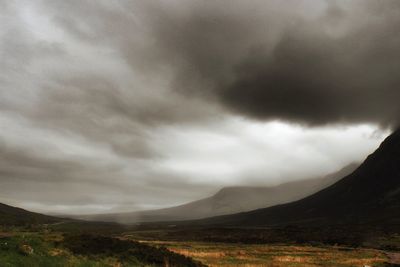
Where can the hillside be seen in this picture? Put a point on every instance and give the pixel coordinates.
(16, 216)
(229, 200)
(371, 194)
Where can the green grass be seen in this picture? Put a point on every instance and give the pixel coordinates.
(44, 253)
(56, 249)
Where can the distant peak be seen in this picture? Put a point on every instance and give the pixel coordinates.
(234, 189)
(392, 142)
(224, 190)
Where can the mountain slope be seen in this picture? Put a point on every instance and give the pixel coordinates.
(15, 216)
(229, 200)
(371, 194)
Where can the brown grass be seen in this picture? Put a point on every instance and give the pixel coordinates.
(57, 252)
(200, 254)
(223, 255)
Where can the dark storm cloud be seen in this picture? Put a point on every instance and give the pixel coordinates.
(315, 78)
(302, 61)
(268, 61)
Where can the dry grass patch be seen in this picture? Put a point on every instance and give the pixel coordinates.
(241, 255)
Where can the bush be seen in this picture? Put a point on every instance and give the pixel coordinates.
(125, 250)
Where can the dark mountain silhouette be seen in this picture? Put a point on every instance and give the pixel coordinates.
(229, 200)
(15, 216)
(371, 194)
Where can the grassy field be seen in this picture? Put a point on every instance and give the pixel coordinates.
(33, 249)
(52, 249)
(222, 254)
(46, 247)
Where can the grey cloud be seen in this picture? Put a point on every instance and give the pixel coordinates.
(99, 110)
(27, 176)
(22, 164)
(84, 100)
(266, 60)
(51, 90)
(318, 79)
(107, 76)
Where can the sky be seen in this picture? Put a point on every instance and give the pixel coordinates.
(110, 106)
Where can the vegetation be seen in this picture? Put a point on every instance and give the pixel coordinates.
(226, 254)
(346, 235)
(31, 249)
(126, 251)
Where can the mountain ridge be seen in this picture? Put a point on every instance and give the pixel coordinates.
(228, 200)
(10, 215)
(369, 194)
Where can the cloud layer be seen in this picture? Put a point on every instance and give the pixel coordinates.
(135, 104)
(313, 62)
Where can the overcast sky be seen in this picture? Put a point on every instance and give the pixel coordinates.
(128, 105)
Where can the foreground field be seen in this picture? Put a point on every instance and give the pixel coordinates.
(43, 249)
(222, 254)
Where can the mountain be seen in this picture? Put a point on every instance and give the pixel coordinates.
(15, 216)
(369, 195)
(229, 200)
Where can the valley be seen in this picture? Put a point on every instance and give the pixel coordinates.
(184, 133)
(46, 247)
(353, 222)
